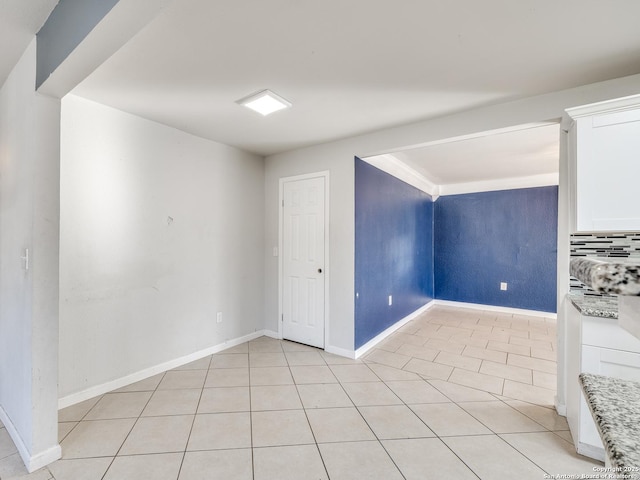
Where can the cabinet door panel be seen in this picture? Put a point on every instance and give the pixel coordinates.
(617, 153)
(608, 166)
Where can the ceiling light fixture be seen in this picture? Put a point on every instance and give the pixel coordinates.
(265, 102)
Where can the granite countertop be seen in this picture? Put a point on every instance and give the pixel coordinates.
(620, 276)
(615, 407)
(595, 306)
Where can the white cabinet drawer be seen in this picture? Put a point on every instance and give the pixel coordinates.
(605, 332)
(612, 363)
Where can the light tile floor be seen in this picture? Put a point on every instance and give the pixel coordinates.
(455, 393)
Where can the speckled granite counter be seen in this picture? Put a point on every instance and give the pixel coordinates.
(592, 306)
(620, 276)
(615, 407)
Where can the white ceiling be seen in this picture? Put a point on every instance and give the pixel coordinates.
(20, 20)
(357, 66)
(508, 155)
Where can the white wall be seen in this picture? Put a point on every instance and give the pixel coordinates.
(339, 267)
(159, 231)
(338, 158)
(29, 212)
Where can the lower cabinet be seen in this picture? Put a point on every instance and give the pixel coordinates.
(600, 346)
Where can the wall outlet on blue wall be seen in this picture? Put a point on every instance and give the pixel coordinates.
(393, 251)
(485, 236)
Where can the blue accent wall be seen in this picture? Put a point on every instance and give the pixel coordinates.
(393, 250)
(482, 239)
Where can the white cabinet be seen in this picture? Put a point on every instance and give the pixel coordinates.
(600, 346)
(604, 151)
(575, 410)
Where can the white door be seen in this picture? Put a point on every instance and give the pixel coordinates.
(303, 252)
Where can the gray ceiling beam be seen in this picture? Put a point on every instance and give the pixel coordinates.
(81, 34)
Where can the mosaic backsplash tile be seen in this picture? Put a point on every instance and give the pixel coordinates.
(612, 245)
(605, 245)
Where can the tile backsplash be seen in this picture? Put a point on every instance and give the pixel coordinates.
(612, 245)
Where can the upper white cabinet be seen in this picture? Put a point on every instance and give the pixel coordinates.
(604, 165)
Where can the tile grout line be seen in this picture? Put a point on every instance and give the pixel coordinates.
(369, 426)
(438, 437)
(358, 408)
(132, 427)
(523, 454)
(253, 461)
(494, 326)
(546, 430)
(315, 440)
(195, 415)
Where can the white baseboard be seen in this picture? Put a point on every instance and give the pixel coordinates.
(342, 352)
(495, 308)
(31, 461)
(103, 388)
(561, 408)
(400, 323)
(271, 334)
(597, 453)
(43, 459)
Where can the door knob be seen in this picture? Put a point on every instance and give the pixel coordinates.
(319, 270)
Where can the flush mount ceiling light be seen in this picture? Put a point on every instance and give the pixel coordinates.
(265, 102)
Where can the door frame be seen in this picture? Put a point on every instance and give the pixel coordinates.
(327, 268)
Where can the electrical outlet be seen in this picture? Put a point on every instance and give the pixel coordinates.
(390, 300)
(219, 317)
(503, 285)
